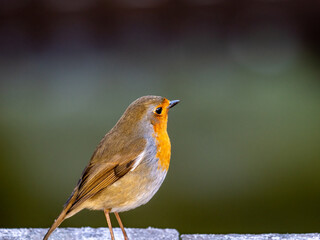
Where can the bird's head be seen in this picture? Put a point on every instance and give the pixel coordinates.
(146, 111)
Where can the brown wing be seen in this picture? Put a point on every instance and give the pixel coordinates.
(100, 174)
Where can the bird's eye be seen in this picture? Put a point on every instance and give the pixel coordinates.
(158, 110)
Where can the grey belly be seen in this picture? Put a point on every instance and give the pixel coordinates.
(132, 190)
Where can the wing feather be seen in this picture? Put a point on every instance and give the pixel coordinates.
(99, 175)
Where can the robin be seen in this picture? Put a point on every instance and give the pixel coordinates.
(128, 166)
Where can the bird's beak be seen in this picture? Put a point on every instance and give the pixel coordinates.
(173, 103)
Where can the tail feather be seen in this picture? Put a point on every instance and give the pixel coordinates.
(66, 213)
(56, 223)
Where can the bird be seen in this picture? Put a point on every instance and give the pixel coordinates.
(128, 166)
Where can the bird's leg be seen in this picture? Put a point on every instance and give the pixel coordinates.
(106, 212)
(121, 225)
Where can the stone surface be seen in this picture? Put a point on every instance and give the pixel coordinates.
(88, 233)
(273, 236)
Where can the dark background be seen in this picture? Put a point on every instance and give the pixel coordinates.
(245, 138)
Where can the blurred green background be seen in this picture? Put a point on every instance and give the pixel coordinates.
(245, 138)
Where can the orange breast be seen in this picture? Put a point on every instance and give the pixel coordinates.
(163, 145)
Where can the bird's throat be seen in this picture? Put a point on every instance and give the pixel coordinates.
(163, 145)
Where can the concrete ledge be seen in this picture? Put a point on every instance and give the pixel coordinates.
(272, 236)
(88, 233)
